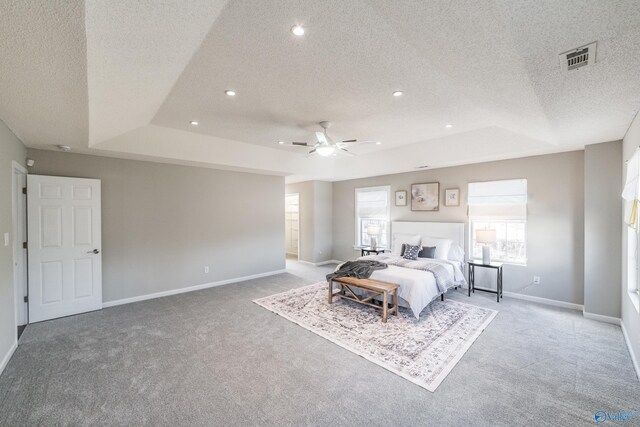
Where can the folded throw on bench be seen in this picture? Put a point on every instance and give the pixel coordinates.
(361, 269)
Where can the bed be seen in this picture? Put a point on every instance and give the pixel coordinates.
(426, 279)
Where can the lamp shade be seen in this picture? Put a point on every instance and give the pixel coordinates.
(486, 236)
(373, 230)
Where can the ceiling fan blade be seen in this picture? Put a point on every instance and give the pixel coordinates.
(345, 151)
(355, 143)
(321, 137)
(300, 144)
(351, 140)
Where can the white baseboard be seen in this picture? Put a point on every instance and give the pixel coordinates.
(318, 264)
(601, 318)
(7, 356)
(331, 261)
(546, 301)
(189, 289)
(634, 359)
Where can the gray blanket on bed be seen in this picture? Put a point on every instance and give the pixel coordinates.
(362, 269)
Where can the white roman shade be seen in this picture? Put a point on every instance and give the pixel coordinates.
(498, 200)
(372, 203)
(630, 191)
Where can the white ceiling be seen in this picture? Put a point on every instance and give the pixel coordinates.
(122, 78)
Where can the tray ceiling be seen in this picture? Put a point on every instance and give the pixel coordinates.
(124, 79)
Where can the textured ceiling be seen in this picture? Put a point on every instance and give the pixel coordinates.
(43, 71)
(124, 78)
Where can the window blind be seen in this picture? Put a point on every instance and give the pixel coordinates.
(505, 199)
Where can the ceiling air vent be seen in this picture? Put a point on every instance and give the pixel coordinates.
(579, 57)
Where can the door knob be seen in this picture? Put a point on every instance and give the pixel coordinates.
(95, 251)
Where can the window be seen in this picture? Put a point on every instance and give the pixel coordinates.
(372, 214)
(631, 194)
(501, 206)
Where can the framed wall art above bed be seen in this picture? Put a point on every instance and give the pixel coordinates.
(425, 197)
(452, 197)
(401, 198)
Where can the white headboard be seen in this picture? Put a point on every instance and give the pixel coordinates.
(442, 230)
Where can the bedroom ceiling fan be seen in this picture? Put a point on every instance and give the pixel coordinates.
(325, 146)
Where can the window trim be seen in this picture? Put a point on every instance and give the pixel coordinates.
(386, 188)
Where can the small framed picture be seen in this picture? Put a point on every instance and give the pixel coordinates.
(425, 197)
(452, 197)
(401, 198)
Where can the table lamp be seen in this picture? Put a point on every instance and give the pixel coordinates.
(373, 231)
(486, 237)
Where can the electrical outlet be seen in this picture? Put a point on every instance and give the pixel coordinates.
(206, 269)
(536, 280)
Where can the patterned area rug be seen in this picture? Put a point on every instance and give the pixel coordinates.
(422, 351)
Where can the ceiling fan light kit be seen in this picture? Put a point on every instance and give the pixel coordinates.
(325, 146)
(325, 150)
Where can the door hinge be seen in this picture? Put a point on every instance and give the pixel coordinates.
(24, 190)
(26, 299)
(24, 245)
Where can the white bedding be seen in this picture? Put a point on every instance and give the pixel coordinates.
(417, 287)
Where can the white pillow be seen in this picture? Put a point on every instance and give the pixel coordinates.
(400, 238)
(456, 253)
(442, 246)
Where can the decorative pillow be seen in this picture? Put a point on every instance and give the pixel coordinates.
(442, 246)
(411, 251)
(400, 238)
(427, 252)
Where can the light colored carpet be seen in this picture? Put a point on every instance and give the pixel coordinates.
(213, 357)
(422, 351)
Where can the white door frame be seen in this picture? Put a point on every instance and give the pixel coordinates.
(18, 223)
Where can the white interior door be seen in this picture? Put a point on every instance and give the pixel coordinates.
(64, 243)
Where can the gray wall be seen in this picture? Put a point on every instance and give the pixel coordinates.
(555, 241)
(316, 224)
(323, 220)
(630, 314)
(11, 148)
(602, 241)
(161, 224)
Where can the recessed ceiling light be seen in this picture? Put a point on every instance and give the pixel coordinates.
(281, 142)
(378, 143)
(297, 30)
(193, 123)
(449, 126)
(230, 92)
(397, 93)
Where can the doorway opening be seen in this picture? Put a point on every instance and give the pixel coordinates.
(19, 231)
(292, 225)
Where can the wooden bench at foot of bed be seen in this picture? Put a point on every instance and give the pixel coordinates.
(375, 288)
